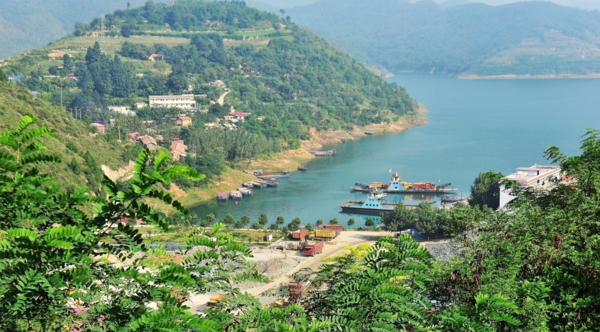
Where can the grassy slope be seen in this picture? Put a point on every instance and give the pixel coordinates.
(15, 102)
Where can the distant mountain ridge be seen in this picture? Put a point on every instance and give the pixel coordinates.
(525, 38)
(27, 24)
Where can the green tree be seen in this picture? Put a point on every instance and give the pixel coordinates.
(210, 219)
(121, 83)
(126, 31)
(238, 224)
(428, 223)
(350, 222)
(245, 220)
(319, 222)
(263, 220)
(333, 221)
(3, 77)
(256, 225)
(282, 11)
(67, 63)
(310, 227)
(280, 221)
(401, 218)
(369, 223)
(229, 220)
(485, 191)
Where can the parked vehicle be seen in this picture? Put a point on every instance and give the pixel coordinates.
(313, 249)
(325, 234)
(300, 234)
(214, 302)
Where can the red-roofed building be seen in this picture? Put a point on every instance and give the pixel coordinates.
(134, 136)
(178, 150)
(239, 115)
(101, 128)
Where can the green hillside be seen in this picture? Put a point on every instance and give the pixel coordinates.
(524, 38)
(276, 70)
(79, 145)
(27, 24)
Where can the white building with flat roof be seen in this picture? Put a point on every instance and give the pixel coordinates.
(536, 176)
(183, 101)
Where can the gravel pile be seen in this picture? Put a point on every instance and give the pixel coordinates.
(443, 250)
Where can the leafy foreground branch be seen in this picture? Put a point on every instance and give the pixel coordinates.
(55, 272)
(534, 267)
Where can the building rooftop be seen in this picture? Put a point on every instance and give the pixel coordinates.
(528, 175)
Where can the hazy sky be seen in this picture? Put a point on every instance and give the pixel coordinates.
(584, 4)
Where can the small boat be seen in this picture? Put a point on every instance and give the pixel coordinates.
(378, 194)
(453, 199)
(235, 195)
(246, 192)
(302, 168)
(272, 183)
(284, 174)
(323, 153)
(369, 133)
(343, 139)
(222, 197)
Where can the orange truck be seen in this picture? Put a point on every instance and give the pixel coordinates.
(336, 228)
(300, 234)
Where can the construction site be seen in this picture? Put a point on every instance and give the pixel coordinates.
(277, 262)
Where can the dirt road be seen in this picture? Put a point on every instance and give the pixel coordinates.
(332, 248)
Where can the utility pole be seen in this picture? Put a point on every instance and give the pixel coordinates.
(119, 128)
(61, 104)
(102, 29)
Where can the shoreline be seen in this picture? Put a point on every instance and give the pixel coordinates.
(525, 77)
(464, 76)
(290, 159)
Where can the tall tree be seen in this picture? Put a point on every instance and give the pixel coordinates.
(262, 219)
(401, 218)
(486, 190)
(67, 63)
(121, 82)
(351, 222)
(94, 54)
(3, 77)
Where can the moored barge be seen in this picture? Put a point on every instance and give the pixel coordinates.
(370, 206)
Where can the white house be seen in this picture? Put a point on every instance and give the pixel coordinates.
(536, 176)
(182, 101)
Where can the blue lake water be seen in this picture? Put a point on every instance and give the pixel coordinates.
(474, 126)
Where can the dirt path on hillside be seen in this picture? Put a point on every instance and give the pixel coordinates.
(221, 99)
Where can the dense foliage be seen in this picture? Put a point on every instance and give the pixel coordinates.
(81, 150)
(289, 80)
(485, 191)
(57, 272)
(530, 268)
(526, 38)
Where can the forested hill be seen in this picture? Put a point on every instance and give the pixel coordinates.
(26, 24)
(524, 38)
(285, 79)
(81, 149)
(274, 69)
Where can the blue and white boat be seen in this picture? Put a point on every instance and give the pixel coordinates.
(371, 206)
